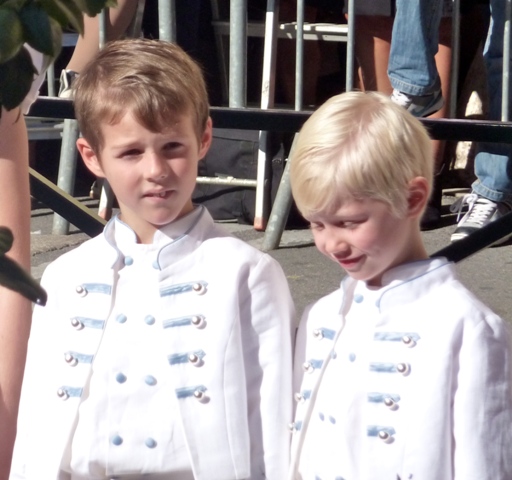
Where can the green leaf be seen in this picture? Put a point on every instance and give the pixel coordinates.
(38, 23)
(56, 36)
(15, 4)
(66, 12)
(37, 28)
(16, 76)
(11, 34)
(53, 10)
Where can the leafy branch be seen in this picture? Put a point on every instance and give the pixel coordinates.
(38, 23)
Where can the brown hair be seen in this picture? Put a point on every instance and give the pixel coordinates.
(155, 80)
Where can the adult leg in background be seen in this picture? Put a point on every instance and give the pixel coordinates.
(493, 167)
(414, 44)
(491, 197)
(88, 44)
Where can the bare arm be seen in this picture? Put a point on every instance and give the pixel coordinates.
(15, 311)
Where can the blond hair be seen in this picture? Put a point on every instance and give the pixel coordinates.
(358, 145)
(153, 79)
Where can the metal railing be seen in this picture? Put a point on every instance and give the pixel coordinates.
(265, 119)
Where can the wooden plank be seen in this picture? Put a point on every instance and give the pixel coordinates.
(65, 205)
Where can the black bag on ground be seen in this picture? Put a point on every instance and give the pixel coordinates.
(234, 153)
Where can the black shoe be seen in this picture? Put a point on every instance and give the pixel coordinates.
(480, 213)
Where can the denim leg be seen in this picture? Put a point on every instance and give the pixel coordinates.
(493, 167)
(412, 68)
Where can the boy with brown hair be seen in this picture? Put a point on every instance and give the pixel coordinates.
(164, 350)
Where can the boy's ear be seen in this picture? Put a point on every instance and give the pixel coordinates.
(89, 157)
(419, 192)
(206, 139)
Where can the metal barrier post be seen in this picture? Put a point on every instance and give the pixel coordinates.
(267, 101)
(454, 67)
(68, 152)
(299, 56)
(506, 63)
(67, 171)
(103, 20)
(349, 81)
(238, 54)
(167, 20)
(280, 209)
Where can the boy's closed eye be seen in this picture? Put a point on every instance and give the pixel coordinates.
(349, 224)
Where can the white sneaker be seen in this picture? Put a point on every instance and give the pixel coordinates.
(480, 213)
(67, 77)
(419, 105)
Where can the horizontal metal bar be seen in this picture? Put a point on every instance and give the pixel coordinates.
(280, 120)
(329, 32)
(52, 107)
(232, 181)
(44, 133)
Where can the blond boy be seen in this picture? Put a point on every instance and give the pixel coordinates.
(164, 351)
(401, 373)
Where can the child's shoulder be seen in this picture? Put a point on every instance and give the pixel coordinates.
(458, 302)
(435, 295)
(327, 306)
(90, 253)
(220, 240)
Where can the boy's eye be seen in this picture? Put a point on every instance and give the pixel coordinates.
(349, 224)
(316, 226)
(345, 224)
(130, 153)
(172, 149)
(171, 146)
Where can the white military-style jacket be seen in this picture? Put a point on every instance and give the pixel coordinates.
(228, 324)
(411, 381)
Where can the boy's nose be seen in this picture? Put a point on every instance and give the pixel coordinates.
(157, 167)
(336, 245)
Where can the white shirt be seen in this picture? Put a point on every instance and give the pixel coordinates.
(410, 381)
(225, 315)
(117, 432)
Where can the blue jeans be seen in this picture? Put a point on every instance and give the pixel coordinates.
(412, 67)
(493, 167)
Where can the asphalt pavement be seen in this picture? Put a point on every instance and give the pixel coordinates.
(311, 275)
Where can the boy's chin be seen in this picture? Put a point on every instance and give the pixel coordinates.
(374, 280)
